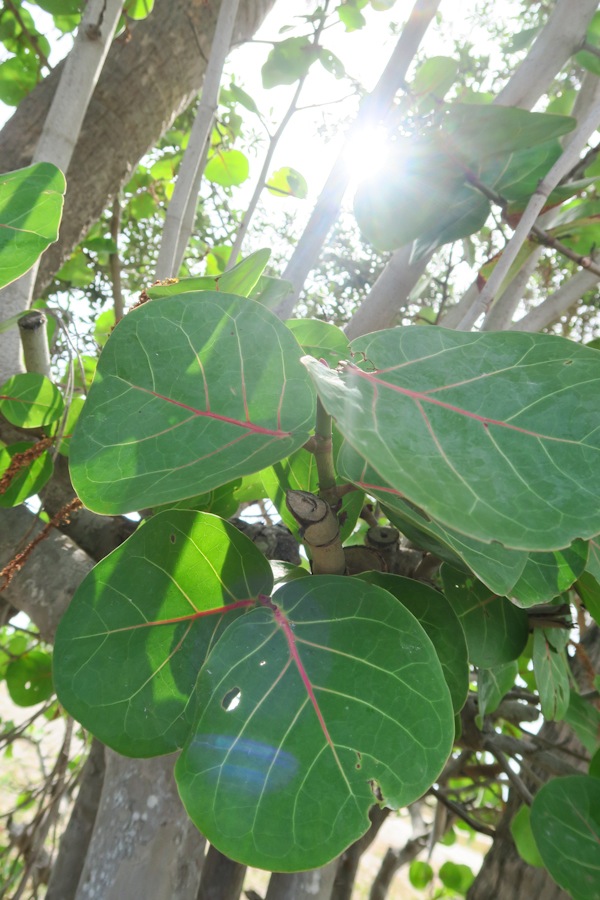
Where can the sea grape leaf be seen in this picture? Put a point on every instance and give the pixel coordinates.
(240, 280)
(439, 622)
(584, 719)
(483, 131)
(492, 684)
(270, 291)
(495, 629)
(551, 675)
(190, 393)
(593, 563)
(287, 182)
(565, 821)
(589, 590)
(520, 828)
(30, 477)
(31, 202)
(227, 168)
(288, 61)
(320, 339)
(307, 707)
(546, 575)
(496, 566)
(30, 400)
(29, 678)
(129, 648)
(493, 434)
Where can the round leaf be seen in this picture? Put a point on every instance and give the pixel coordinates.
(431, 609)
(30, 477)
(310, 707)
(227, 168)
(504, 427)
(130, 645)
(30, 400)
(29, 678)
(495, 629)
(565, 820)
(287, 182)
(190, 393)
(31, 203)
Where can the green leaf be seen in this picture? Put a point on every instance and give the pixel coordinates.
(29, 678)
(490, 417)
(546, 575)
(565, 821)
(420, 874)
(103, 326)
(29, 479)
(17, 79)
(435, 76)
(242, 97)
(439, 622)
(77, 270)
(74, 411)
(227, 168)
(287, 182)
(589, 590)
(492, 684)
(520, 828)
(30, 400)
(190, 393)
(31, 203)
(331, 63)
(240, 280)
(551, 675)
(138, 9)
(271, 291)
(308, 707)
(484, 131)
(584, 719)
(320, 339)
(456, 877)
(127, 680)
(288, 61)
(351, 17)
(495, 629)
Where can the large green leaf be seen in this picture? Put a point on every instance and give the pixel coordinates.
(551, 675)
(240, 280)
(495, 629)
(439, 621)
(129, 648)
(565, 820)
(309, 709)
(546, 575)
(493, 435)
(190, 393)
(31, 202)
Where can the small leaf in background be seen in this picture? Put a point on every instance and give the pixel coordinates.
(77, 270)
(584, 719)
(105, 323)
(491, 419)
(75, 408)
(242, 97)
(270, 291)
(227, 168)
(546, 575)
(420, 874)
(331, 63)
(495, 629)
(241, 279)
(551, 675)
(520, 828)
(190, 392)
(31, 202)
(321, 339)
(138, 9)
(492, 684)
(30, 400)
(287, 182)
(329, 651)
(565, 821)
(17, 79)
(351, 17)
(585, 58)
(30, 477)
(456, 877)
(588, 589)
(434, 77)
(288, 61)
(130, 645)
(29, 678)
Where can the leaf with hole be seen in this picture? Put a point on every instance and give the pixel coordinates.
(31, 202)
(565, 821)
(129, 648)
(190, 393)
(492, 435)
(29, 678)
(309, 707)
